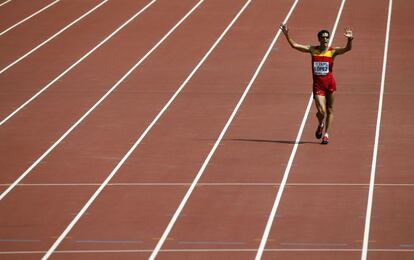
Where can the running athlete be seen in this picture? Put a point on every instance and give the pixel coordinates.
(324, 85)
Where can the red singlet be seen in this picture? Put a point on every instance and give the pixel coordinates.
(322, 64)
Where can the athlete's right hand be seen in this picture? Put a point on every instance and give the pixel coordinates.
(348, 33)
(284, 28)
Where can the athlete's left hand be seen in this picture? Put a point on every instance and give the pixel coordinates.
(348, 32)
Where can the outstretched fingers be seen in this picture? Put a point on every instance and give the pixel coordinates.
(348, 32)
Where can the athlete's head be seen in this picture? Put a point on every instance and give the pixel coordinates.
(324, 34)
(323, 37)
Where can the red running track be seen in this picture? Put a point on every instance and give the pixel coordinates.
(322, 212)
(26, 36)
(13, 12)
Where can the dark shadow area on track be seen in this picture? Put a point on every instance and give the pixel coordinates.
(272, 141)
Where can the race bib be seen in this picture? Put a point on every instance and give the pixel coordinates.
(320, 68)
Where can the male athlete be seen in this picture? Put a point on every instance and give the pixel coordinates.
(324, 85)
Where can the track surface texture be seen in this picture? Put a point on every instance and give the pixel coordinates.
(181, 129)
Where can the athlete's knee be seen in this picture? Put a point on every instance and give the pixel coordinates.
(322, 113)
(329, 110)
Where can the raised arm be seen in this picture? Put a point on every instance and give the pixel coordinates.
(348, 47)
(295, 45)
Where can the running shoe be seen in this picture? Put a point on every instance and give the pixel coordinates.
(325, 140)
(319, 131)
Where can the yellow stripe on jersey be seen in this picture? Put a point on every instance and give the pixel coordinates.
(315, 52)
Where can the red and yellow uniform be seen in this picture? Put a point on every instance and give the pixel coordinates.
(322, 64)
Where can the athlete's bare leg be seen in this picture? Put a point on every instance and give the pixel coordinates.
(330, 98)
(320, 102)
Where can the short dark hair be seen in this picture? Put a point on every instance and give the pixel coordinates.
(322, 32)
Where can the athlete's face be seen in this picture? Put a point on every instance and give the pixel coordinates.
(324, 39)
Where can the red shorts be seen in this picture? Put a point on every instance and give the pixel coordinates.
(323, 85)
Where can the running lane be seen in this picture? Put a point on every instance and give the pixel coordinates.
(228, 211)
(392, 228)
(322, 210)
(68, 99)
(17, 10)
(50, 61)
(96, 146)
(25, 37)
(175, 148)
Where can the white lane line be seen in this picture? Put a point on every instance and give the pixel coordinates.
(24, 174)
(52, 37)
(377, 134)
(320, 245)
(291, 158)
(30, 16)
(207, 250)
(207, 160)
(211, 184)
(74, 64)
(119, 165)
(8, 1)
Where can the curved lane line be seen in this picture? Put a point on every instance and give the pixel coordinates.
(27, 18)
(73, 65)
(102, 186)
(86, 114)
(8, 1)
(223, 132)
(52, 37)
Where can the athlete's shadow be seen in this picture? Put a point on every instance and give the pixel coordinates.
(272, 141)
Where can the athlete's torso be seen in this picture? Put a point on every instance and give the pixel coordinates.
(322, 62)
